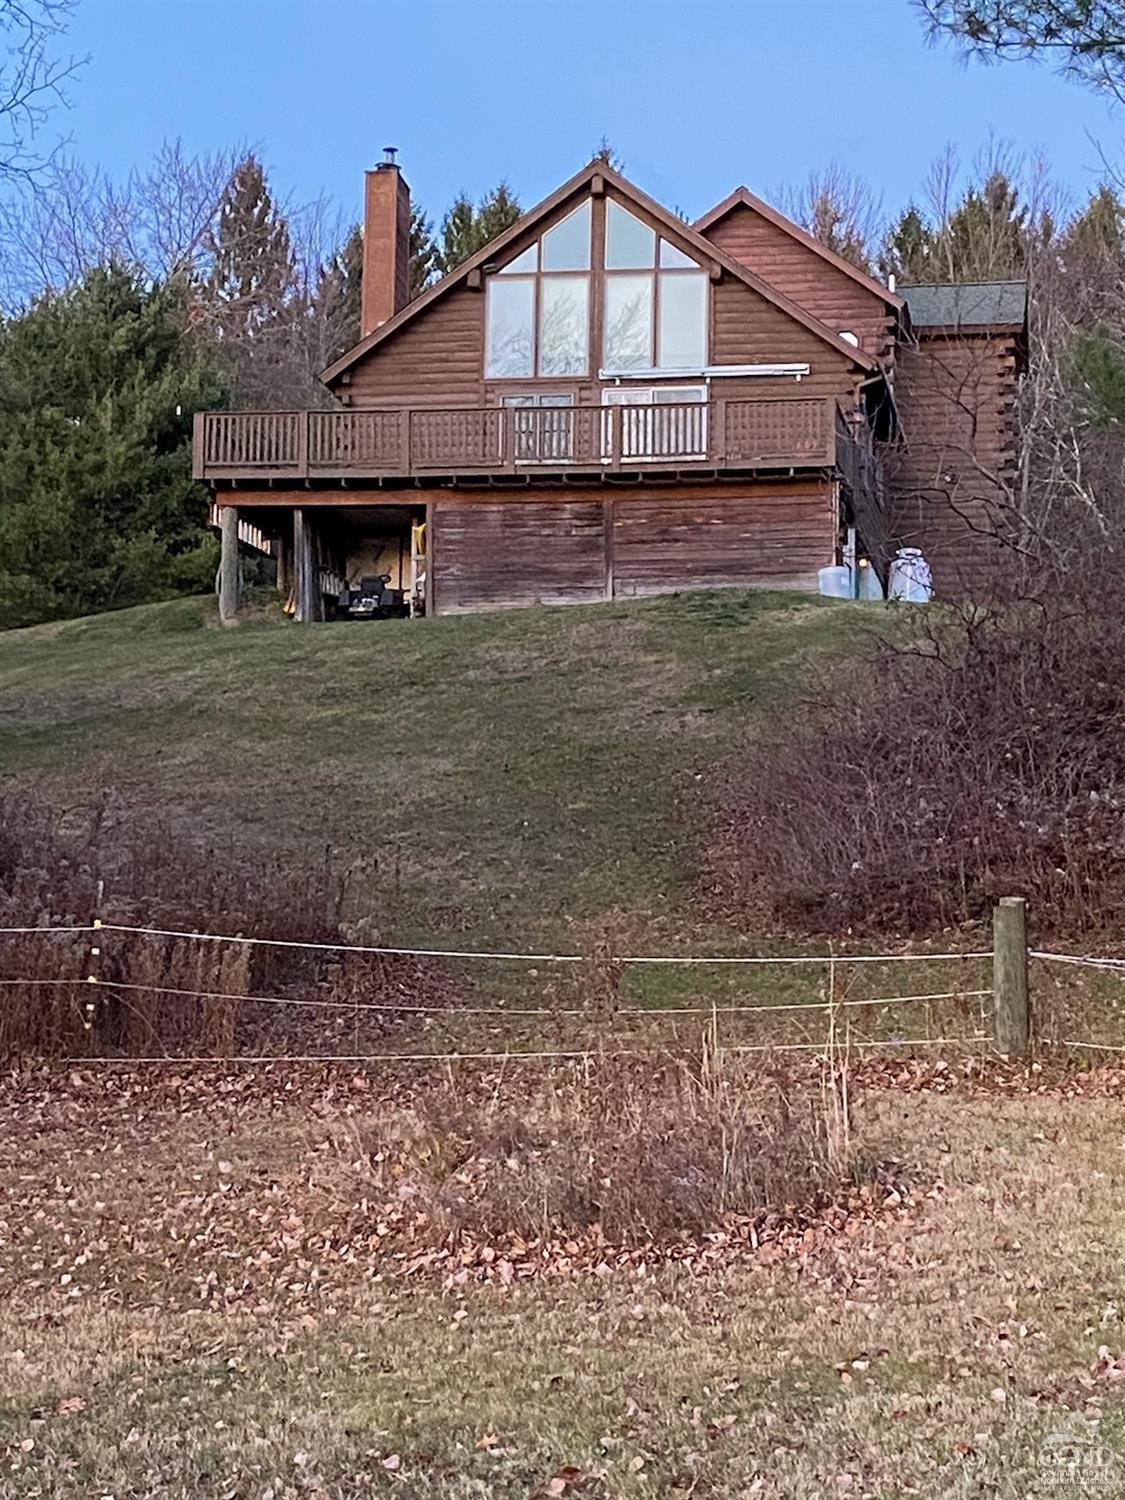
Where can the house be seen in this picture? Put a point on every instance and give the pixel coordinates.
(608, 402)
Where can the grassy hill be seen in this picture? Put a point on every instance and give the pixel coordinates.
(503, 776)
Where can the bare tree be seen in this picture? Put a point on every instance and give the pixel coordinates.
(839, 209)
(32, 79)
(157, 220)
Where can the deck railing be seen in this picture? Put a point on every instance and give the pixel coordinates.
(380, 444)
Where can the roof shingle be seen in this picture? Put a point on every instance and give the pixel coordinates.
(979, 304)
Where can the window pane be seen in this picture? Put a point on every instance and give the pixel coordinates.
(628, 242)
(564, 325)
(628, 322)
(678, 393)
(671, 258)
(683, 322)
(528, 261)
(510, 334)
(567, 246)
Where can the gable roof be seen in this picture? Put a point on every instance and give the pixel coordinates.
(743, 196)
(675, 226)
(968, 304)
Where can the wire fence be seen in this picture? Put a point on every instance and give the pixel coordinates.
(617, 1029)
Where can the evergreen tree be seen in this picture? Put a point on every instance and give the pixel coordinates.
(250, 300)
(339, 295)
(908, 249)
(1098, 378)
(466, 229)
(97, 506)
(987, 237)
(1098, 233)
(424, 255)
(606, 153)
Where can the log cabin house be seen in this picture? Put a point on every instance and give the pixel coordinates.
(607, 402)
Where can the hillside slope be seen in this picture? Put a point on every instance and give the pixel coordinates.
(504, 776)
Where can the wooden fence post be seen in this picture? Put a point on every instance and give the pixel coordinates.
(1010, 1014)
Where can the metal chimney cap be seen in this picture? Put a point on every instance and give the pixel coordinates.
(389, 155)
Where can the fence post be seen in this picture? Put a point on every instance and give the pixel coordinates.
(1010, 1017)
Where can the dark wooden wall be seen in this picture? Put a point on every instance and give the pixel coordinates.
(809, 280)
(956, 399)
(548, 549)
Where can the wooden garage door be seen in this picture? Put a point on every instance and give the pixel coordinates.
(492, 554)
(777, 539)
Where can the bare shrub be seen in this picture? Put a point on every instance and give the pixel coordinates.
(982, 759)
(631, 1148)
(169, 995)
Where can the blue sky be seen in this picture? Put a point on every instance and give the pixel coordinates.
(696, 95)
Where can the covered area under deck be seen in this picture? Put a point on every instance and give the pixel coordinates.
(347, 561)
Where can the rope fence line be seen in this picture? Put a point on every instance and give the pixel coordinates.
(494, 1010)
(503, 957)
(1111, 965)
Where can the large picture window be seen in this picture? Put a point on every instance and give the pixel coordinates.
(655, 300)
(538, 305)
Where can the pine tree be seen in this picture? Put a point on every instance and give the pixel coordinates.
(987, 237)
(466, 229)
(606, 153)
(908, 249)
(424, 254)
(97, 506)
(339, 297)
(250, 300)
(1098, 233)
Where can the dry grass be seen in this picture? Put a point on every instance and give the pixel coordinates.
(635, 1150)
(872, 1362)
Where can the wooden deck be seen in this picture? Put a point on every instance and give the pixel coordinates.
(376, 445)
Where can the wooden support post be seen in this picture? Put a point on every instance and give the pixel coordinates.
(283, 552)
(228, 564)
(306, 570)
(1010, 1012)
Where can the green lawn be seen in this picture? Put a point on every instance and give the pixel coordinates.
(507, 776)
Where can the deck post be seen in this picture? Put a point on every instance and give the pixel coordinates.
(306, 569)
(228, 564)
(1011, 1017)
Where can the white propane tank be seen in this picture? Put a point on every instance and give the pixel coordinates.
(836, 582)
(911, 579)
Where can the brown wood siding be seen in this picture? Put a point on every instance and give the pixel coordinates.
(436, 360)
(764, 537)
(748, 330)
(544, 548)
(792, 268)
(955, 399)
(493, 555)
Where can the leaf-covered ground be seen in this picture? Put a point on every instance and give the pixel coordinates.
(198, 1298)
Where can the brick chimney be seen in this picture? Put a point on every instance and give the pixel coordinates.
(386, 244)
